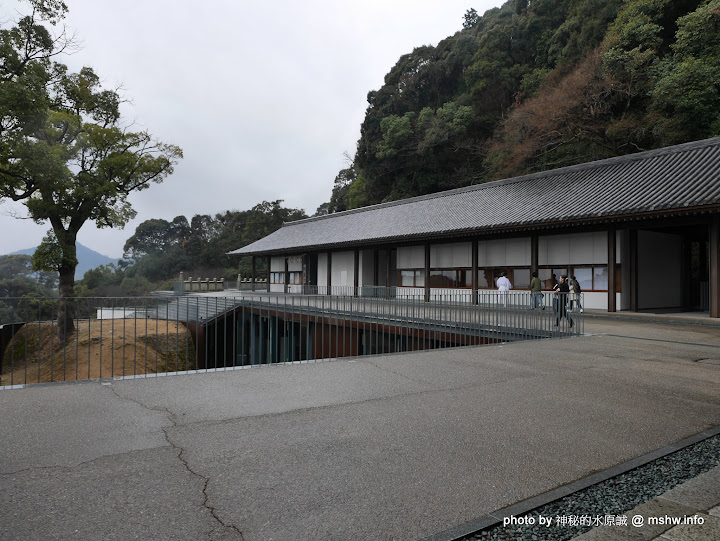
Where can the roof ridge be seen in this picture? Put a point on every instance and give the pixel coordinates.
(605, 162)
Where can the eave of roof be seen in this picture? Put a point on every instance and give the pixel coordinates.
(680, 179)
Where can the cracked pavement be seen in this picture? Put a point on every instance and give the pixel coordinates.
(389, 447)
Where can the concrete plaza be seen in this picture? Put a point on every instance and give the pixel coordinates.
(394, 447)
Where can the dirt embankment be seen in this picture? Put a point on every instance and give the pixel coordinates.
(97, 349)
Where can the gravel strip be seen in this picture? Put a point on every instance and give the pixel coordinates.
(614, 496)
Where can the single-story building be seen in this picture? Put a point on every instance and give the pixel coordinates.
(640, 232)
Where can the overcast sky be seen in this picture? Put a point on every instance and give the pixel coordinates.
(264, 98)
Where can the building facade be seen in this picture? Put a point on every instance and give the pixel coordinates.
(640, 232)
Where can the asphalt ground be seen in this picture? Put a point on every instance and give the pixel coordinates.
(390, 447)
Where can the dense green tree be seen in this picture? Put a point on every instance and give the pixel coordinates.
(63, 150)
(687, 92)
(159, 250)
(155, 236)
(471, 18)
(540, 84)
(339, 198)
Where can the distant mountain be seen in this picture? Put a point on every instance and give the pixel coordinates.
(87, 259)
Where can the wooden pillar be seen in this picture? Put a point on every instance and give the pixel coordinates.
(633, 270)
(611, 259)
(427, 273)
(329, 272)
(356, 272)
(252, 274)
(267, 274)
(534, 258)
(715, 266)
(474, 266)
(286, 280)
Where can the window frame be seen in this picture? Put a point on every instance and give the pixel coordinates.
(417, 273)
(467, 271)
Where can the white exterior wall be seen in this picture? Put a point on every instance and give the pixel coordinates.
(457, 254)
(575, 249)
(277, 264)
(659, 270)
(504, 252)
(295, 264)
(411, 257)
(343, 269)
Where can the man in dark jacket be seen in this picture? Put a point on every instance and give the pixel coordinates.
(562, 289)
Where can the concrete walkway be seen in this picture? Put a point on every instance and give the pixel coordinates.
(391, 447)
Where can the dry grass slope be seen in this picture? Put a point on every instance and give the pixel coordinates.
(98, 349)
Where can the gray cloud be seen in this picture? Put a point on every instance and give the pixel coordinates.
(264, 98)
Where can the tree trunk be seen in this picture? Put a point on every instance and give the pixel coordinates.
(66, 306)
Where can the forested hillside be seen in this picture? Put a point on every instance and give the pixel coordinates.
(157, 253)
(534, 85)
(159, 250)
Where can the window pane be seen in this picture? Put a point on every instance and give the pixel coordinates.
(600, 278)
(407, 278)
(584, 278)
(545, 276)
(442, 278)
(419, 278)
(437, 279)
(464, 278)
(485, 278)
(521, 278)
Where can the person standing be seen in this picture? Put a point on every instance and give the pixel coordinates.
(536, 296)
(504, 286)
(575, 291)
(561, 293)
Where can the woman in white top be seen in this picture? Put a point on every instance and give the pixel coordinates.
(504, 286)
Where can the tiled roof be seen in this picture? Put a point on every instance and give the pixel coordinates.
(672, 179)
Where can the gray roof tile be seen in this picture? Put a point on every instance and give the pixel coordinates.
(673, 178)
